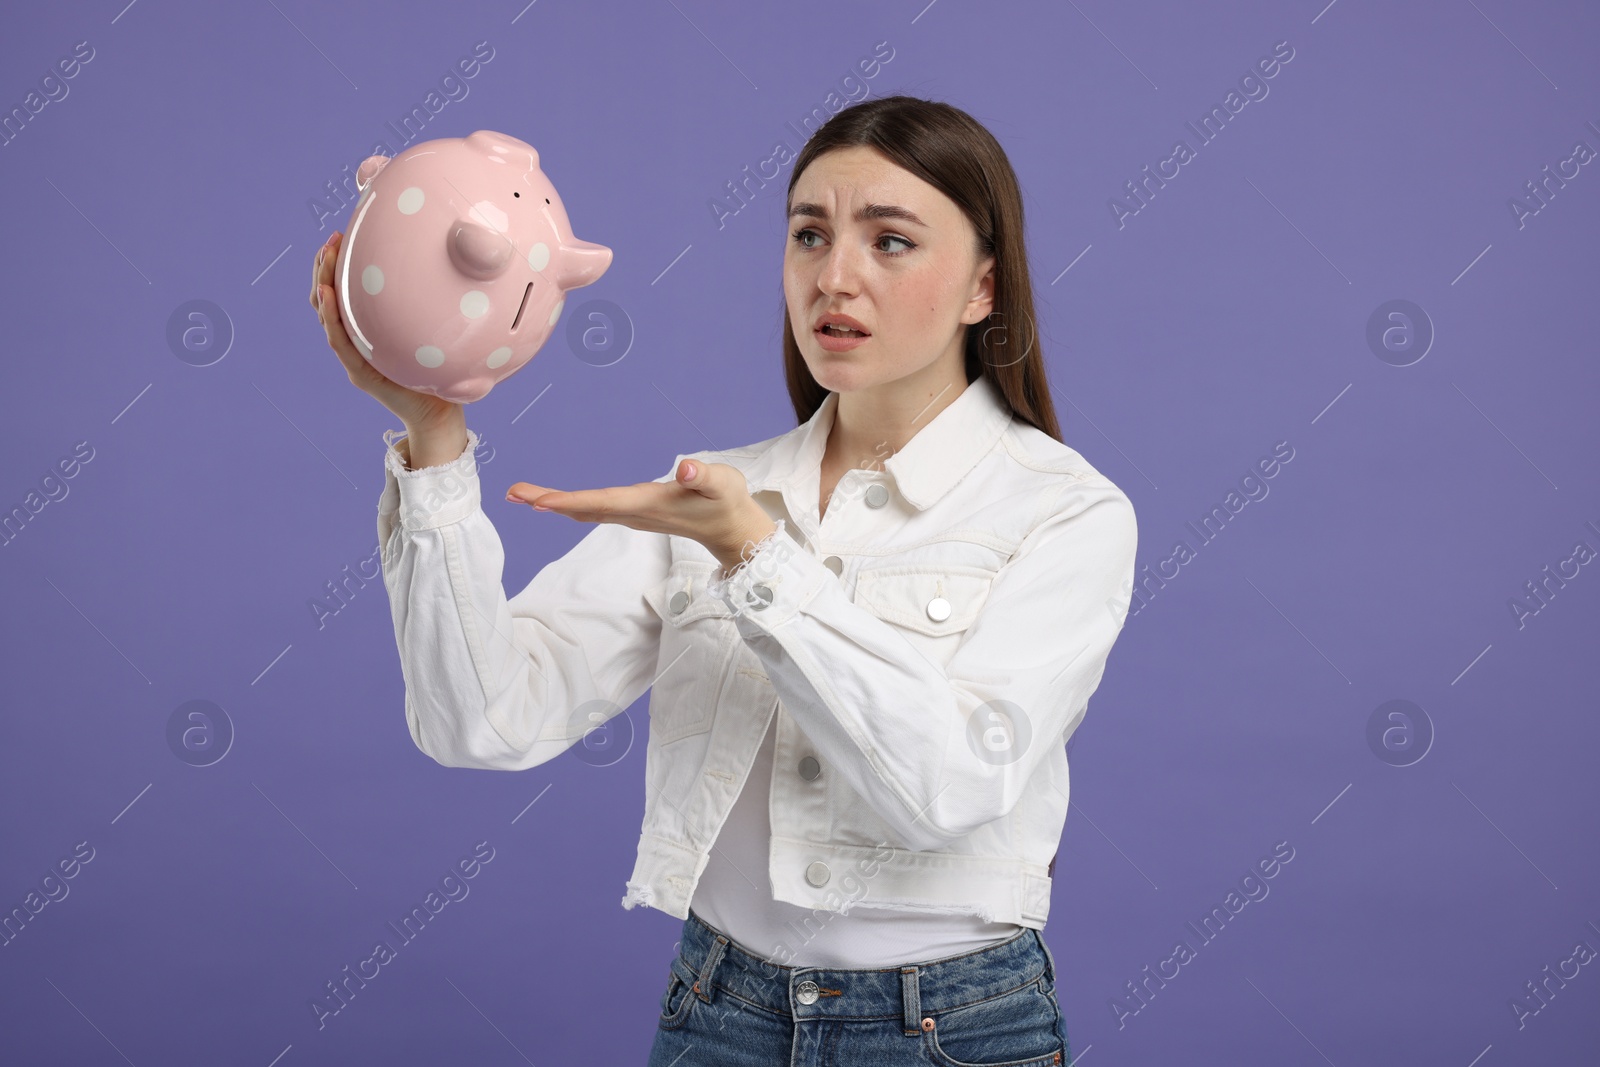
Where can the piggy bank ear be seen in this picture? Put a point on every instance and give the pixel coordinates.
(369, 170)
(502, 144)
(581, 263)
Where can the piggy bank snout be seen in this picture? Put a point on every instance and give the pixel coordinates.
(582, 263)
(478, 251)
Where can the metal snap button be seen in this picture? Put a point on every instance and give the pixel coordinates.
(877, 495)
(834, 564)
(810, 768)
(679, 601)
(817, 873)
(806, 992)
(938, 609)
(927, 1023)
(760, 596)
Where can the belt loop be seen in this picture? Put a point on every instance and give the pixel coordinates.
(702, 984)
(911, 1000)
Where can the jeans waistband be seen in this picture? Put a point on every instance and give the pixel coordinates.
(713, 964)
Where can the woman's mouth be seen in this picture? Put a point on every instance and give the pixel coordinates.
(840, 339)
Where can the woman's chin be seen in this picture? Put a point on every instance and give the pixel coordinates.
(835, 374)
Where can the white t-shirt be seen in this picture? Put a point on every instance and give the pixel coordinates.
(735, 896)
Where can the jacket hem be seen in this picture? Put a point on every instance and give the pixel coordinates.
(997, 888)
(994, 888)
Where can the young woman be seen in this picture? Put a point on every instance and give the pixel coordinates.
(867, 639)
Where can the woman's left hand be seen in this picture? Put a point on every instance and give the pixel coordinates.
(708, 502)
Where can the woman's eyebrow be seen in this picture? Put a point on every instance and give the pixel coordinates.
(871, 211)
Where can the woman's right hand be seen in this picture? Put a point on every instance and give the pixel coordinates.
(420, 412)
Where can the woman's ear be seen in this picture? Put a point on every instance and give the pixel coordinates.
(981, 303)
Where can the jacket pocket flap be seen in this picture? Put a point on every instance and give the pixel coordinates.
(682, 598)
(931, 600)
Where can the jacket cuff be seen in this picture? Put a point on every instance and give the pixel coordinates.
(772, 584)
(433, 496)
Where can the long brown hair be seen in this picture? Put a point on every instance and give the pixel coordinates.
(954, 153)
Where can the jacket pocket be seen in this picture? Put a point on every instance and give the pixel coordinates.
(698, 644)
(935, 604)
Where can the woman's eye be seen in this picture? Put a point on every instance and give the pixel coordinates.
(801, 235)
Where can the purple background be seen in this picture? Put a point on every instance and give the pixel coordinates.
(1228, 315)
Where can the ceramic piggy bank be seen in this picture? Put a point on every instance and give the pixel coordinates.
(457, 262)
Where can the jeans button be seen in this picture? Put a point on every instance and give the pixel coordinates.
(679, 601)
(810, 768)
(817, 873)
(760, 596)
(938, 609)
(806, 992)
(834, 564)
(877, 496)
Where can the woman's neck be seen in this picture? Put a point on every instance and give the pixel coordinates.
(870, 425)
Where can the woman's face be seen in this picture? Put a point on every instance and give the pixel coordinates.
(909, 273)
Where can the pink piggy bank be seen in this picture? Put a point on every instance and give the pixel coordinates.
(457, 262)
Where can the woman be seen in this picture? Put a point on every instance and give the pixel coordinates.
(867, 639)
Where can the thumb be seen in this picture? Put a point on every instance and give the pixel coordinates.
(694, 474)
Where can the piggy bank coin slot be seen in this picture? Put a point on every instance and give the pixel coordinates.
(523, 306)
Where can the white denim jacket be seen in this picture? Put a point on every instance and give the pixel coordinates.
(927, 648)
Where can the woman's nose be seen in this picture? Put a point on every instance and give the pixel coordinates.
(840, 271)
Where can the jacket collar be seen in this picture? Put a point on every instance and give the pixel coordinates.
(937, 457)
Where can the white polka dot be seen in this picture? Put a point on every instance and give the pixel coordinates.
(539, 256)
(556, 314)
(474, 302)
(410, 201)
(430, 356)
(372, 279)
(498, 357)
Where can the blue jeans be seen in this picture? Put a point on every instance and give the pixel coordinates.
(724, 1007)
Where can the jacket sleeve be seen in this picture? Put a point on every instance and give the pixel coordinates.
(498, 683)
(939, 751)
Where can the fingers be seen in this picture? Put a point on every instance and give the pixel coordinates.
(585, 505)
(641, 506)
(322, 265)
(316, 271)
(526, 493)
(325, 300)
(333, 326)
